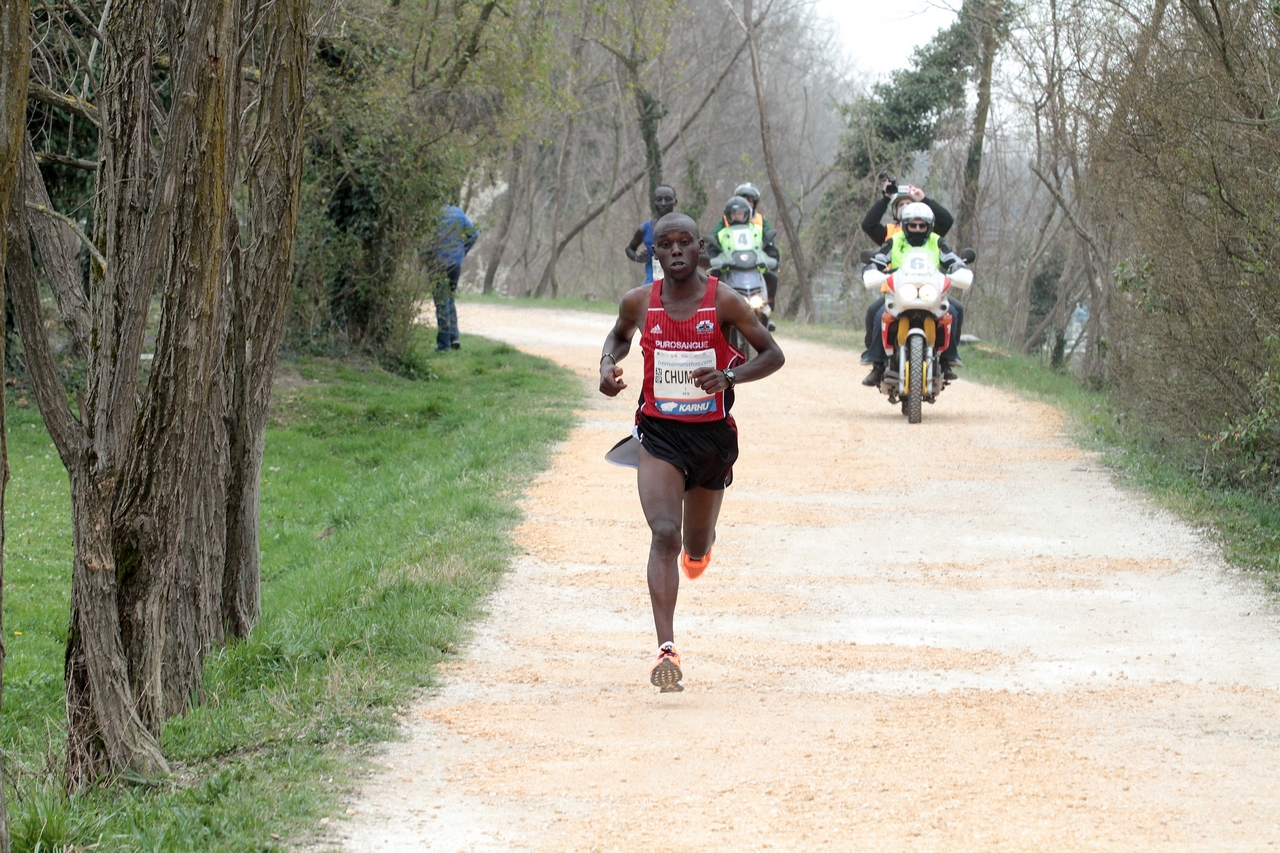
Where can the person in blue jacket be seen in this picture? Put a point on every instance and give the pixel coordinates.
(444, 255)
(662, 203)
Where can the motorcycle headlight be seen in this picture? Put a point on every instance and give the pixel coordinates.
(756, 301)
(908, 291)
(929, 293)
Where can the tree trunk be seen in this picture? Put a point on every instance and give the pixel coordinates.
(967, 230)
(103, 731)
(15, 57)
(176, 469)
(648, 113)
(557, 204)
(261, 293)
(508, 214)
(775, 180)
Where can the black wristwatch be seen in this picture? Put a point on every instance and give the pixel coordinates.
(728, 374)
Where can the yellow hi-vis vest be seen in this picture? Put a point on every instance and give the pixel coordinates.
(901, 247)
(742, 238)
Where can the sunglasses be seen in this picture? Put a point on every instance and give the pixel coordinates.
(917, 226)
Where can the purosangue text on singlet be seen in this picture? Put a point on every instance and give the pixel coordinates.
(673, 350)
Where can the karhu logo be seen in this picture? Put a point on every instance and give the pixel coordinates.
(656, 330)
(705, 327)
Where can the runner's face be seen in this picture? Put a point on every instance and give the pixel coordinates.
(664, 201)
(677, 250)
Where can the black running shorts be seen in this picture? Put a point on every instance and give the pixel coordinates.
(704, 451)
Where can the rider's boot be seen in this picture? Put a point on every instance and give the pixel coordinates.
(877, 373)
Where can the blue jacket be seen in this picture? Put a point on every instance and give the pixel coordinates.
(454, 237)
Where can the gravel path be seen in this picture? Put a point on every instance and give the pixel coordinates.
(1010, 653)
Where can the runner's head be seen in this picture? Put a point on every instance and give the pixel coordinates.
(663, 201)
(676, 245)
(737, 211)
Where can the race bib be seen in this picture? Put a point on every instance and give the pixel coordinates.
(674, 393)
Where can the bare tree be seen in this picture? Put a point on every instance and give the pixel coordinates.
(747, 22)
(164, 478)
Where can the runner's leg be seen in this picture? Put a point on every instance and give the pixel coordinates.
(701, 510)
(662, 496)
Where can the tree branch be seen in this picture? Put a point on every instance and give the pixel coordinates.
(1062, 203)
(24, 289)
(638, 176)
(70, 103)
(62, 160)
(60, 266)
(71, 223)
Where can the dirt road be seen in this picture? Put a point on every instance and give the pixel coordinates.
(1028, 658)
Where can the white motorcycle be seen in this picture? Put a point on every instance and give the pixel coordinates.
(742, 269)
(915, 326)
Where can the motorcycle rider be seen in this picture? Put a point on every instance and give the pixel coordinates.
(894, 196)
(751, 193)
(737, 211)
(662, 203)
(916, 231)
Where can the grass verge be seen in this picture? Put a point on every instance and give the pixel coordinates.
(387, 506)
(1246, 524)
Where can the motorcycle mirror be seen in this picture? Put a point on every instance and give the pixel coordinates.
(968, 256)
(867, 255)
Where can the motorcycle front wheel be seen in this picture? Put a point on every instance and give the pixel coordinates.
(915, 389)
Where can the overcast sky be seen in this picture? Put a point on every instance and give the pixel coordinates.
(879, 35)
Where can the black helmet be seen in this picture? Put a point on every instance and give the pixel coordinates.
(737, 211)
(750, 192)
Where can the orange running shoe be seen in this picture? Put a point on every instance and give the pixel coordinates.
(666, 672)
(692, 568)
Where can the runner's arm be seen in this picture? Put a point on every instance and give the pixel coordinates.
(618, 342)
(732, 309)
(637, 240)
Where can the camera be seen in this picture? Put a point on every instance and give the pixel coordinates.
(892, 187)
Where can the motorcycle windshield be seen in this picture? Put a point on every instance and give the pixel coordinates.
(744, 281)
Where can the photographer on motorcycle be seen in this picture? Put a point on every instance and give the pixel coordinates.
(917, 230)
(895, 196)
(768, 235)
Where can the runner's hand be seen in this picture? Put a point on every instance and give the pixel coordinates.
(641, 255)
(610, 384)
(711, 381)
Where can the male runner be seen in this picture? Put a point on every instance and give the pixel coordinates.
(662, 203)
(688, 441)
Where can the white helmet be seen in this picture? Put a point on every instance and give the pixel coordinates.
(915, 212)
(900, 200)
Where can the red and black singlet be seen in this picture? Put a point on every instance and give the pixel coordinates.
(673, 349)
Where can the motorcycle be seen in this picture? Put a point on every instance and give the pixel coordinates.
(743, 270)
(915, 326)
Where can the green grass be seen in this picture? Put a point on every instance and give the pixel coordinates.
(387, 505)
(1246, 524)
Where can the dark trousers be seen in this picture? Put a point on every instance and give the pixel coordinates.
(771, 285)
(874, 352)
(444, 286)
